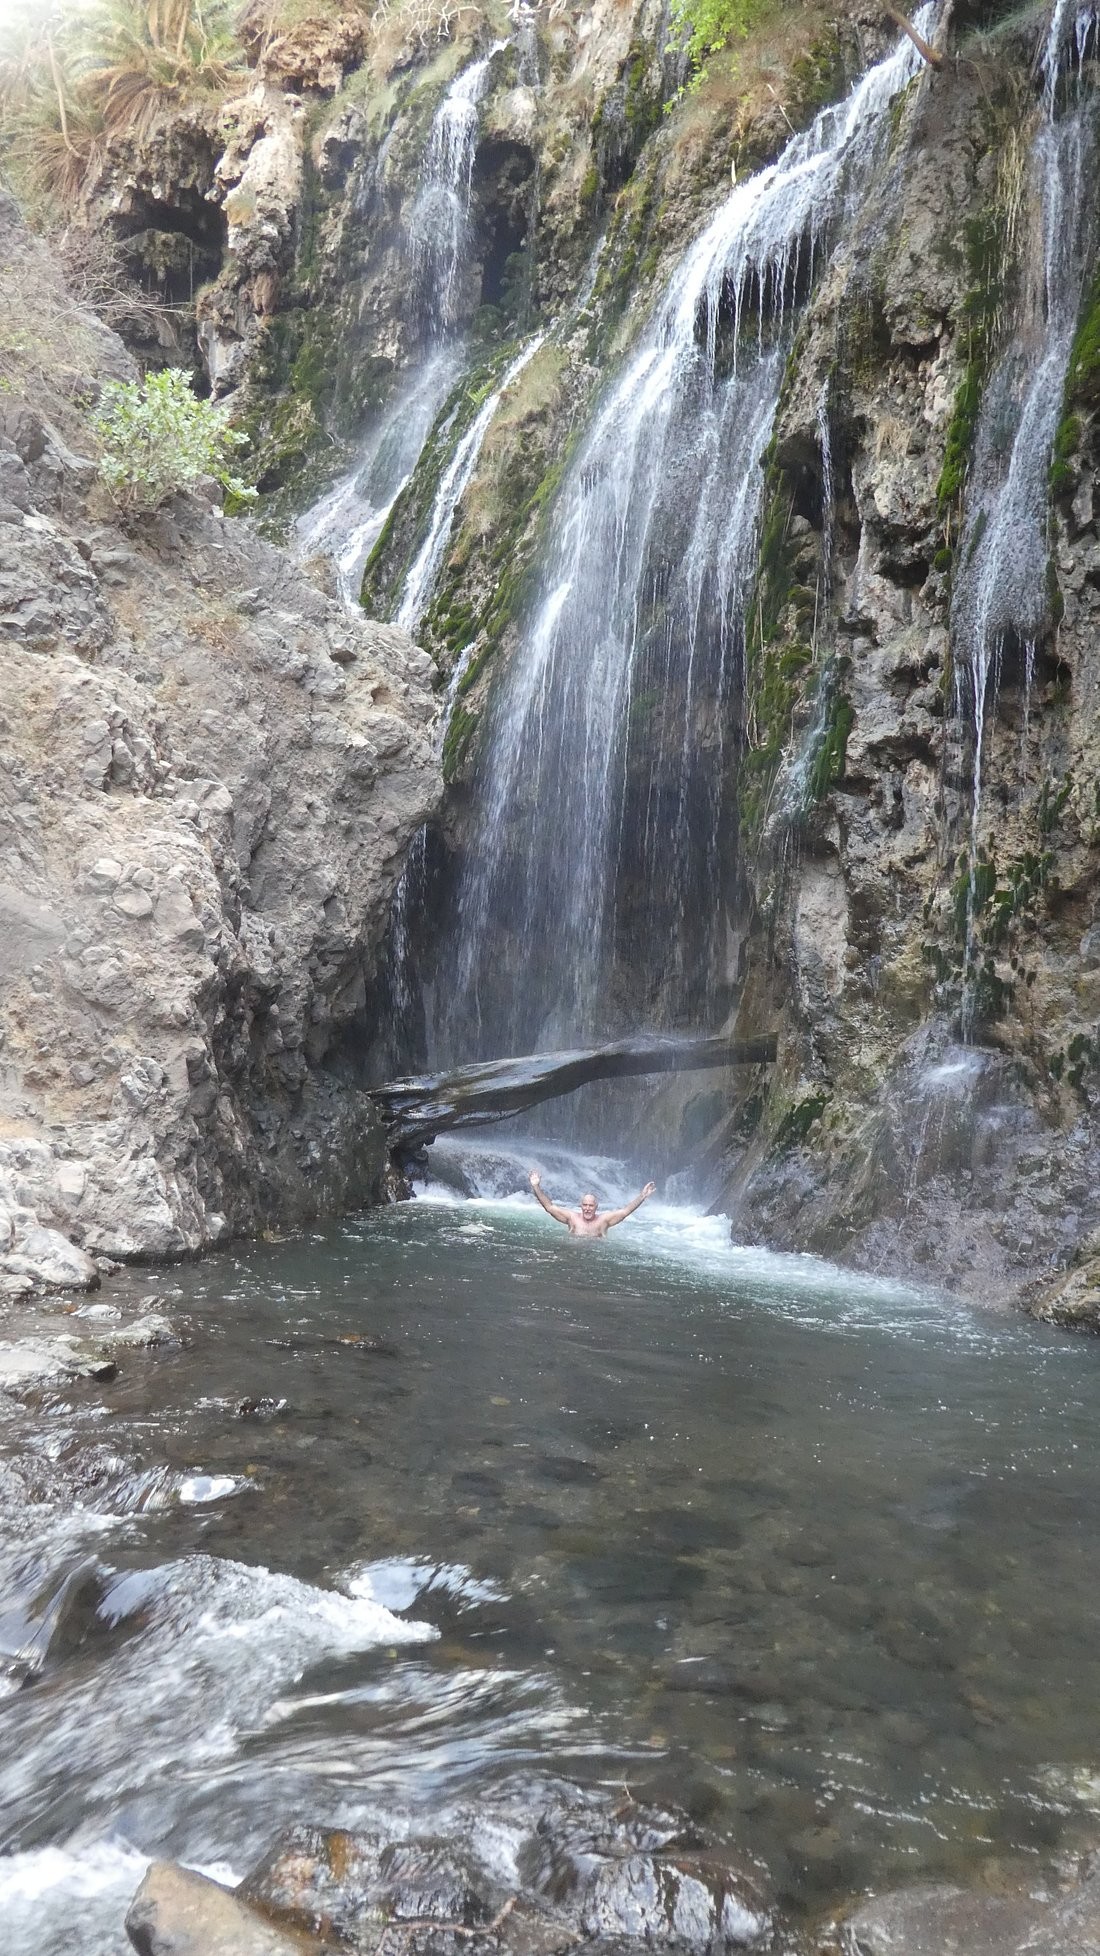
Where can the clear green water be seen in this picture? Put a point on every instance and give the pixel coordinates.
(814, 1556)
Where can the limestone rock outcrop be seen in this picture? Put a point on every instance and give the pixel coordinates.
(935, 1110)
(209, 775)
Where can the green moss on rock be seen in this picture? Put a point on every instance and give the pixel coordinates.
(795, 1124)
(1082, 395)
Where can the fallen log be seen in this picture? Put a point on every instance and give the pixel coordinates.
(417, 1110)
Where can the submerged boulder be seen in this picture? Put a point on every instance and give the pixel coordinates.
(948, 1921)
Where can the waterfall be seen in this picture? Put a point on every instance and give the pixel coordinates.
(439, 227)
(592, 896)
(1000, 600)
(348, 520)
(454, 482)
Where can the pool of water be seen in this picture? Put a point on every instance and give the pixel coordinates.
(441, 1494)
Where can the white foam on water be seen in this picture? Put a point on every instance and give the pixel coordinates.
(219, 1642)
(399, 1581)
(688, 1244)
(51, 1896)
(198, 1488)
(71, 1898)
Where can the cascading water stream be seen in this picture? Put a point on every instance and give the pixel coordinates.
(440, 222)
(350, 517)
(1001, 599)
(596, 867)
(415, 595)
(454, 483)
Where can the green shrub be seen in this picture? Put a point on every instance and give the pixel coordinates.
(158, 438)
(706, 27)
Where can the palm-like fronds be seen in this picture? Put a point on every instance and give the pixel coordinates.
(55, 156)
(53, 128)
(147, 56)
(72, 78)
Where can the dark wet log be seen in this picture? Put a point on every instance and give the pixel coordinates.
(415, 1111)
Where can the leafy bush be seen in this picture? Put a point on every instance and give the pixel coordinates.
(705, 27)
(158, 438)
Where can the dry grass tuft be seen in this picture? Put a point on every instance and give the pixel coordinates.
(48, 347)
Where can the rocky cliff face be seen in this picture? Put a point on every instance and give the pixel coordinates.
(209, 775)
(932, 972)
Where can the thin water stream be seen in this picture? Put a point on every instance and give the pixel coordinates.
(439, 1496)
(1001, 603)
(349, 518)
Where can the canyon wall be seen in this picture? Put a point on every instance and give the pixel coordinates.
(209, 776)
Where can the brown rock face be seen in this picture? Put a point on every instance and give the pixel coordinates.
(209, 774)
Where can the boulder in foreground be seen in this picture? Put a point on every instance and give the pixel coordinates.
(178, 1913)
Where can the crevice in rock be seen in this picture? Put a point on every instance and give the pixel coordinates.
(504, 173)
(173, 248)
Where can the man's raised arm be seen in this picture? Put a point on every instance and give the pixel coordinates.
(620, 1215)
(551, 1208)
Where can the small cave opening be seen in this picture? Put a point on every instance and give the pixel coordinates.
(504, 174)
(760, 299)
(172, 249)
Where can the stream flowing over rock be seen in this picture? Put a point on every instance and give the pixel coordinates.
(766, 589)
(648, 691)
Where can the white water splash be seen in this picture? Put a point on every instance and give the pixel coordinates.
(220, 1641)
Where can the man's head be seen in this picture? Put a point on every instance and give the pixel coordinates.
(588, 1207)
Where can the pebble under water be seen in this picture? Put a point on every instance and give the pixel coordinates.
(440, 1496)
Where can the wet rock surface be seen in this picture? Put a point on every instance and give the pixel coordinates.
(934, 1113)
(580, 1871)
(947, 1921)
(47, 1342)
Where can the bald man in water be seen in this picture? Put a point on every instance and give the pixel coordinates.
(587, 1220)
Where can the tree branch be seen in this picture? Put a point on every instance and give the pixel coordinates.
(924, 48)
